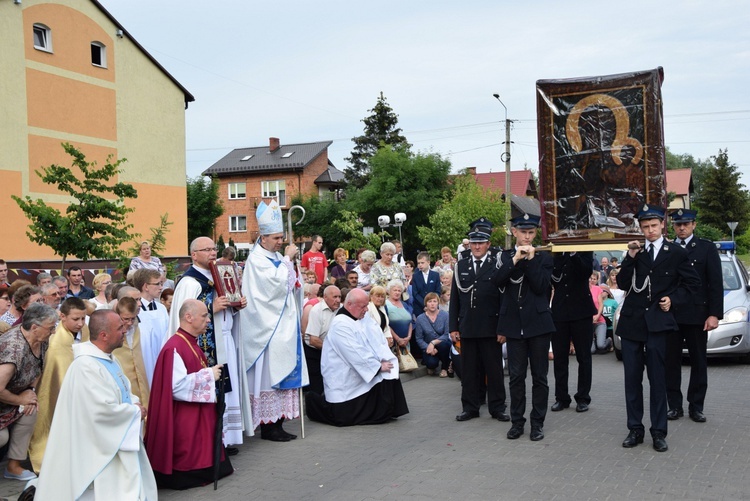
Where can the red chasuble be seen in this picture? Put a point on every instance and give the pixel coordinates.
(179, 435)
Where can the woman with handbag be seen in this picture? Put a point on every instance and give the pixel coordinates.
(433, 336)
(399, 318)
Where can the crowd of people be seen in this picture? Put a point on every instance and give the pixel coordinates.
(86, 372)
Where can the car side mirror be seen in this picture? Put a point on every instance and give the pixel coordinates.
(747, 288)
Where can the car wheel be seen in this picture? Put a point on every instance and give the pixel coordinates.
(618, 354)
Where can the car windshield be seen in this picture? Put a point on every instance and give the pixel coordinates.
(730, 276)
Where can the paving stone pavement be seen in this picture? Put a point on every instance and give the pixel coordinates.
(428, 455)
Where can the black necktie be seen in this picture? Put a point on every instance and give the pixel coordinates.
(651, 252)
(683, 243)
(152, 306)
(477, 265)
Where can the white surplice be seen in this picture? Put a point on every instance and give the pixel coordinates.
(94, 448)
(351, 358)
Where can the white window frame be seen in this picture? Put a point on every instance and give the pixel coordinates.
(47, 37)
(234, 224)
(234, 194)
(102, 54)
(270, 189)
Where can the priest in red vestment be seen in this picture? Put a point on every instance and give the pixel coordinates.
(182, 413)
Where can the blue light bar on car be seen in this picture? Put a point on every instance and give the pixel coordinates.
(725, 246)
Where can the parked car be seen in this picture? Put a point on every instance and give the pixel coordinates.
(732, 337)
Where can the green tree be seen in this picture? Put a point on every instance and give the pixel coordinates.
(402, 182)
(723, 198)
(381, 128)
(468, 202)
(319, 214)
(203, 207)
(95, 224)
(350, 225)
(158, 243)
(220, 245)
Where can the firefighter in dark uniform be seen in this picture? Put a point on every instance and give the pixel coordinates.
(572, 310)
(658, 278)
(526, 324)
(695, 319)
(473, 314)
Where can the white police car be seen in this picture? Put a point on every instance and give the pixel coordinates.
(732, 337)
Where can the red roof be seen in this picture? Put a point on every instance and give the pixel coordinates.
(678, 181)
(521, 182)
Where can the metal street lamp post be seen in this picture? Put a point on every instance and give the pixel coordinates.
(506, 158)
(385, 222)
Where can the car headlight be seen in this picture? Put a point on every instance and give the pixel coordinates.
(734, 315)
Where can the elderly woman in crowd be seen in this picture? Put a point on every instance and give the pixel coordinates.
(386, 269)
(446, 262)
(433, 337)
(398, 316)
(364, 280)
(376, 309)
(20, 300)
(21, 354)
(340, 267)
(146, 260)
(101, 281)
(446, 277)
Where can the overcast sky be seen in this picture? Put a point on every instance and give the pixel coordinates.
(309, 71)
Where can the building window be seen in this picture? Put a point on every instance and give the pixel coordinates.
(42, 38)
(275, 189)
(98, 54)
(237, 223)
(237, 191)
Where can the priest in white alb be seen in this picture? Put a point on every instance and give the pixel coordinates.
(270, 338)
(94, 449)
(360, 373)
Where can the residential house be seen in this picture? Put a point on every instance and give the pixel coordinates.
(72, 73)
(248, 176)
(680, 182)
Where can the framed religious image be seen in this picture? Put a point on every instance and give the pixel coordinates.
(601, 155)
(227, 280)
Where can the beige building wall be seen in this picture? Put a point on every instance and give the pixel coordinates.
(131, 109)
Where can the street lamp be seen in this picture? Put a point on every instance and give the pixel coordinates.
(385, 222)
(732, 226)
(506, 158)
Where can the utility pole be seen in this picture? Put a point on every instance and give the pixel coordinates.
(506, 158)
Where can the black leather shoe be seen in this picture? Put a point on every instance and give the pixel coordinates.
(558, 406)
(232, 451)
(465, 416)
(582, 407)
(697, 416)
(273, 434)
(515, 432)
(660, 443)
(634, 438)
(501, 416)
(536, 434)
(674, 414)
